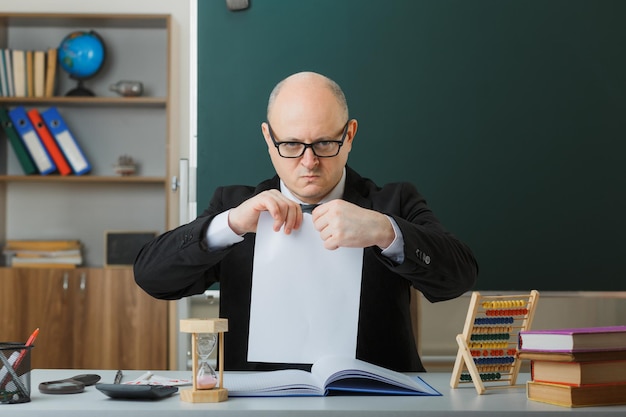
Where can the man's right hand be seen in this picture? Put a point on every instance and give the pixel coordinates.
(285, 212)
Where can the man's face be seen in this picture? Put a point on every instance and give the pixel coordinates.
(308, 113)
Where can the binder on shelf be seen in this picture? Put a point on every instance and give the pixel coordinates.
(49, 142)
(16, 143)
(33, 143)
(66, 141)
(19, 72)
(51, 69)
(8, 68)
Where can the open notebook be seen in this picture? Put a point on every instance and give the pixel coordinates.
(330, 375)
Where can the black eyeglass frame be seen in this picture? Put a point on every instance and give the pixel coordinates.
(309, 145)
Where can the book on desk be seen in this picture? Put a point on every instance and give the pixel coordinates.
(574, 339)
(329, 375)
(578, 384)
(576, 367)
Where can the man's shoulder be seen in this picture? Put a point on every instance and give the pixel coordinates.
(367, 187)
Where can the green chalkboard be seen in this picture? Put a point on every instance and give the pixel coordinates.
(509, 116)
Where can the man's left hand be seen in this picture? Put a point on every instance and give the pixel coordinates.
(343, 224)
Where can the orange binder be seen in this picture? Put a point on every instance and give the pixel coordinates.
(49, 142)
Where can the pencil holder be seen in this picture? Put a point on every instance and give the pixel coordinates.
(14, 373)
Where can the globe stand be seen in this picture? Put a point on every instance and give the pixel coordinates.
(80, 90)
(82, 55)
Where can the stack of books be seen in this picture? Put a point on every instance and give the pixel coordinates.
(28, 73)
(43, 253)
(576, 367)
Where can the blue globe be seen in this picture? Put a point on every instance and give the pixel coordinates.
(81, 54)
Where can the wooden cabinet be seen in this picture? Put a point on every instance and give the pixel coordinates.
(89, 318)
(39, 298)
(131, 326)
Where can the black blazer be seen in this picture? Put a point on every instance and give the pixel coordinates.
(178, 264)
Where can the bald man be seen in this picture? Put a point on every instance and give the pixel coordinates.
(309, 136)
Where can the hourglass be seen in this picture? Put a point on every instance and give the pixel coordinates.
(206, 377)
(205, 333)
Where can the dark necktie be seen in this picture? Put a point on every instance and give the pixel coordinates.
(308, 208)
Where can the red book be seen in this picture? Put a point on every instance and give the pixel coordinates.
(49, 142)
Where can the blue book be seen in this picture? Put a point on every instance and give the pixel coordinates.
(36, 148)
(66, 141)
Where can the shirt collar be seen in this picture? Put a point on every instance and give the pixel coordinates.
(335, 193)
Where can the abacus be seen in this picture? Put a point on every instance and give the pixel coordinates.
(488, 345)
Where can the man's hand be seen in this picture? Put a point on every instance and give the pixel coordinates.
(286, 213)
(343, 224)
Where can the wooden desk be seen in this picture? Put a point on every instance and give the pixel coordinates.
(464, 401)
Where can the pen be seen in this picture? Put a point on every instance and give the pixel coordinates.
(118, 377)
(32, 337)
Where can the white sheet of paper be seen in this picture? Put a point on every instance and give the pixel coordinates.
(305, 298)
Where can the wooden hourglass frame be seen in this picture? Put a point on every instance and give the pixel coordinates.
(195, 327)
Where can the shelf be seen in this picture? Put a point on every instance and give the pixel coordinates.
(114, 20)
(90, 101)
(82, 179)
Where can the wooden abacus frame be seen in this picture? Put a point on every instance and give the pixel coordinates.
(488, 345)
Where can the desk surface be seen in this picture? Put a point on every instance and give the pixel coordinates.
(465, 400)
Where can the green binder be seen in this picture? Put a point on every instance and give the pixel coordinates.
(16, 142)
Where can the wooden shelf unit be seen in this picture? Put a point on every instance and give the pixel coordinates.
(92, 316)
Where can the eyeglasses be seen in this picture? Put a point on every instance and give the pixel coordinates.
(321, 149)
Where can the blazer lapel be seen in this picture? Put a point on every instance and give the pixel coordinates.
(355, 189)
